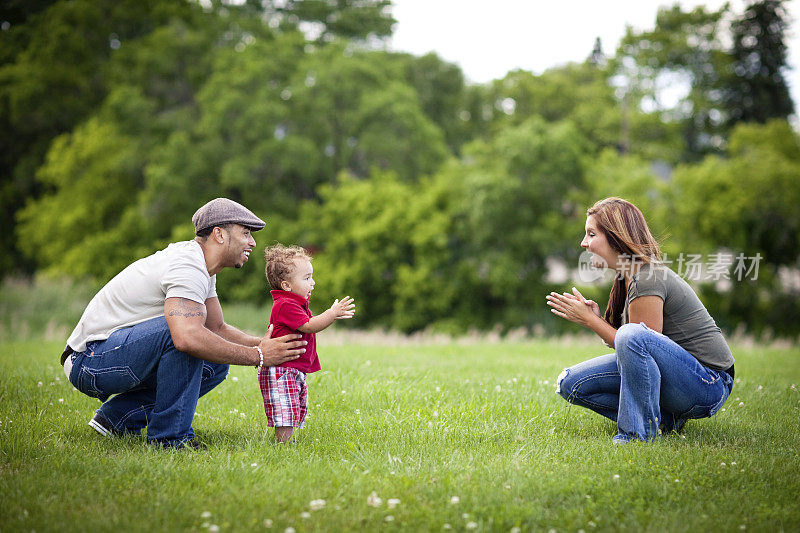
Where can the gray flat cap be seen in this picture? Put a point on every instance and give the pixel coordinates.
(221, 211)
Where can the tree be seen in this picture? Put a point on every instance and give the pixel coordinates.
(749, 204)
(441, 90)
(324, 20)
(757, 89)
(53, 76)
(683, 48)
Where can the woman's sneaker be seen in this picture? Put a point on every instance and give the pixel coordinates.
(672, 423)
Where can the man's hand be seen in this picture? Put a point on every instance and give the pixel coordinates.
(344, 308)
(281, 349)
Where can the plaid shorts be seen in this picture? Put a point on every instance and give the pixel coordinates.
(285, 396)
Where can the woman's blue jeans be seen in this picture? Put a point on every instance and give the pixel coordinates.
(650, 380)
(155, 385)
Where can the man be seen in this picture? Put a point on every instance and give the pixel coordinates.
(155, 337)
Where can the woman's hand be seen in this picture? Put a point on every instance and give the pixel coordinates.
(574, 307)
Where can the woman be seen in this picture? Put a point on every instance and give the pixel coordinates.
(671, 362)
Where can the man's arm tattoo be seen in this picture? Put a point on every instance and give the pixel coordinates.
(188, 309)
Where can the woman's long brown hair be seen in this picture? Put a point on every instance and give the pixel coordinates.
(626, 230)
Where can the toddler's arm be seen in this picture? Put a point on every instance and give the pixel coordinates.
(344, 308)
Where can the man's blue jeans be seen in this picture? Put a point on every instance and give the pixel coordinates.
(155, 385)
(650, 380)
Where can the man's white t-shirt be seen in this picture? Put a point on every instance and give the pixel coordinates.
(138, 293)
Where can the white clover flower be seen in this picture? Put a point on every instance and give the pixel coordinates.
(454, 500)
(235, 378)
(722, 464)
(205, 525)
(289, 529)
(213, 528)
(515, 529)
(389, 518)
(392, 503)
(741, 404)
(267, 523)
(305, 514)
(760, 387)
(61, 400)
(616, 477)
(253, 464)
(205, 514)
(316, 505)
(471, 525)
(447, 526)
(373, 500)
(40, 384)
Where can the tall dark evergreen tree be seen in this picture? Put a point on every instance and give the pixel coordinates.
(757, 90)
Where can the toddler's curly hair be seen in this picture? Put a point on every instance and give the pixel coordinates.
(280, 262)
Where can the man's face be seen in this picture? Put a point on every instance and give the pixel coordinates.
(240, 244)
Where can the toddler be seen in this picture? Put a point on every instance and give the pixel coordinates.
(283, 387)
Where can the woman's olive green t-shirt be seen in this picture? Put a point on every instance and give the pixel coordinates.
(686, 320)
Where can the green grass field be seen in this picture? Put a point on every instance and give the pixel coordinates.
(466, 435)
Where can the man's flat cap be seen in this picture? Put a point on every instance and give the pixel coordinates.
(221, 211)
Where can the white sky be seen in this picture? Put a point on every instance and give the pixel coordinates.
(489, 38)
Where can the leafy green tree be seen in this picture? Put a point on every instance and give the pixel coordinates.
(53, 76)
(748, 204)
(576, 92)
(154, 80)
(359, 231)
(325, 20)
(757, 89)
(521, 212)
(82, 165)
(441, 90)
(685, 47)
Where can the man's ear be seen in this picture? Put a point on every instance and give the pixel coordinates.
(219, 236)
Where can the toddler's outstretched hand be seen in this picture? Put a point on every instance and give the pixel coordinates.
(344, 308)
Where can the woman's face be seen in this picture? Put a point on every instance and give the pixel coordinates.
(595, 242)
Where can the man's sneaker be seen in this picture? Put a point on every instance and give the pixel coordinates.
(100, 424)
(188, 445)
(195, 445)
